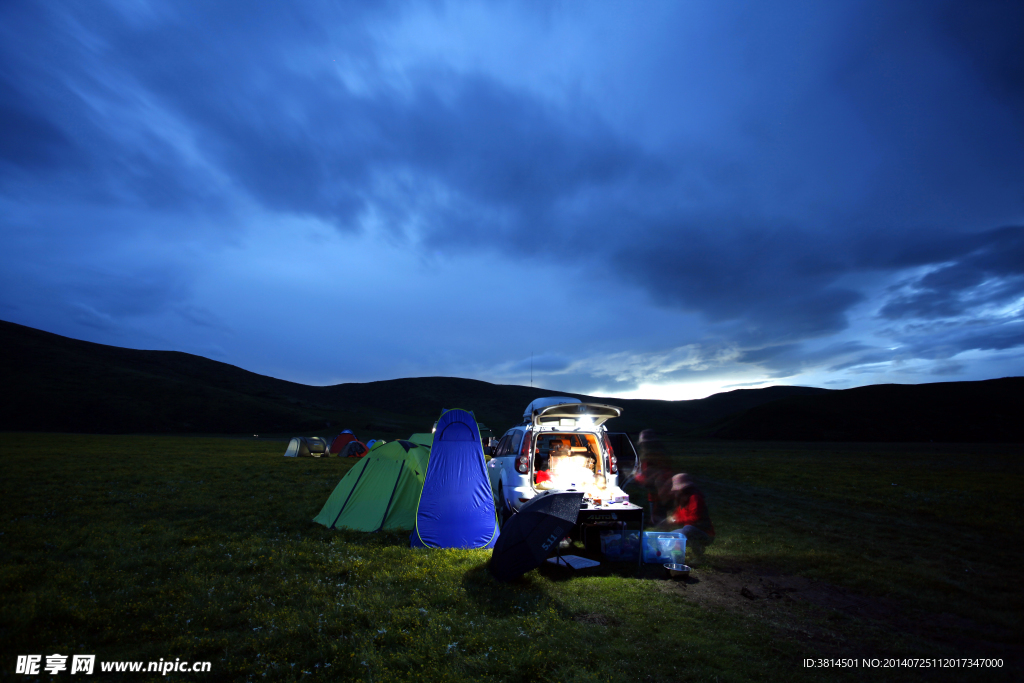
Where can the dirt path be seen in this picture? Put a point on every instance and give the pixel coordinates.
(835, 621)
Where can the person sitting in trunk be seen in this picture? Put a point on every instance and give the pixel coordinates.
(559, 449)
(558, 454)
(691, 513)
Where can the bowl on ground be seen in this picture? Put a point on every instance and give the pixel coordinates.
(678, 571)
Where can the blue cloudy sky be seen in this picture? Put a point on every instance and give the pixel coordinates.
(654, 200)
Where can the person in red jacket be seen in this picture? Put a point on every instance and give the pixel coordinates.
(691, 513)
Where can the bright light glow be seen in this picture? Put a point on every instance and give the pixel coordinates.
(572, 472)
(681, 391)
(585, 422)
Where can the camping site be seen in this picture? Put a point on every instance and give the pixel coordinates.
(874, 559)
(452, 341)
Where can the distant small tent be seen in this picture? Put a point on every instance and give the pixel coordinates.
(425, 438)
(353, 449)
(380, 491)
(370, 444)
(456, 508)
(338, 442)
(306, 447)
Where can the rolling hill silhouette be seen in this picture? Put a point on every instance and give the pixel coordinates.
(56, 384)
(987, 411)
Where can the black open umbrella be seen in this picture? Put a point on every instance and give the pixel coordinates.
(529, 535)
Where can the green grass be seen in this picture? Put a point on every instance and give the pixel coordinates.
(936, 525)
(142, 548)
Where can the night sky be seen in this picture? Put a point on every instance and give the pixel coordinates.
(646, 200)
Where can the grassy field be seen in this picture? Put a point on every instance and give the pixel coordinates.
(141, 548)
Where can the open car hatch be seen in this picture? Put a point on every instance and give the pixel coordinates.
(574, 415)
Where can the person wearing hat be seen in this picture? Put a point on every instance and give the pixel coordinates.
(691, 513)
(655, 475)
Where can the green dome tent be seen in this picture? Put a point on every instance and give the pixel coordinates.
(423, 438)
(381, 491)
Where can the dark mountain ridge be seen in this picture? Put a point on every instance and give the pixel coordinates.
(56, 384)
(986, 411)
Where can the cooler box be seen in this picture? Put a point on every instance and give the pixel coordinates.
(660, 547)
(620, 545)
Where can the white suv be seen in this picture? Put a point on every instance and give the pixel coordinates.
(561, 444)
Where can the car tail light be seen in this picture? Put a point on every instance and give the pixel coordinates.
(523, 461)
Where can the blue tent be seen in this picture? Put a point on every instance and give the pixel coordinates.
(456, 508)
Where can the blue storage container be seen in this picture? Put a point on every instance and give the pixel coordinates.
(660, 547)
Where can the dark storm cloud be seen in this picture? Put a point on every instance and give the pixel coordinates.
(757, 277)
(941, 155)
(479, 166)
(991, 274)
(930, 85)
(896, 145)
(78, 85)
(284, 128)
(496, 154)
(940, 340)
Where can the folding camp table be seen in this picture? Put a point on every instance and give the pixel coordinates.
(615, 516)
